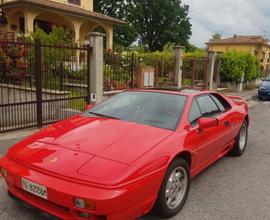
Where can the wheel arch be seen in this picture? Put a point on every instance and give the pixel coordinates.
(247, 119)
(185, 155)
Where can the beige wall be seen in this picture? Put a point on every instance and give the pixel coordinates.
(240, 48)
(86, 4)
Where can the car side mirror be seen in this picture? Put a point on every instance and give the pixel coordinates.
(205, 123)
(263, 79)
(88, 107)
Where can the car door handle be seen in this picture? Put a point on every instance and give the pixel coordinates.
(227, 124)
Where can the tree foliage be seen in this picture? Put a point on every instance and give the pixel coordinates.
(123, 35)
(153, 23)
(159, 22)
(216, 36)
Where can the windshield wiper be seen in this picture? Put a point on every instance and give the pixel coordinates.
(103, 116)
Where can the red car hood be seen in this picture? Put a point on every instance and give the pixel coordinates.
(76, 145)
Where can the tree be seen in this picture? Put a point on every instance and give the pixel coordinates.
(216, 36)
(123, 35)
(160, 22)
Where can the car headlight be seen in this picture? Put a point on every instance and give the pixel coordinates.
(4, 172)
(84, 204)
(262, 88)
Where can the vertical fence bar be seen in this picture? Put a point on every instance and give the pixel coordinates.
(61, 76)
(132, 69)
(156, 72)
(88, 95)
(193, 71)
(38, 82)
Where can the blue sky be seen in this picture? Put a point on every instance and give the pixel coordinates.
(228, 17)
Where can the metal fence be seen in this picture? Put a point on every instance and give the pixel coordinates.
(41, 84)
(122, 70)
(195, 72)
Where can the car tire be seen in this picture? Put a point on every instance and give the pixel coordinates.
(260, 98)
(174, 189)
(241, 140)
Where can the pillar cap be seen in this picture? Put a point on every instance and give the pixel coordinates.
(177, 47)
(98, 34)
(211, 52)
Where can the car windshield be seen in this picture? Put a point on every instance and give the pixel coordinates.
(155, 109)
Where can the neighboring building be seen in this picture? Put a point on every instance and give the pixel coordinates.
(22, 16)
(255, 45)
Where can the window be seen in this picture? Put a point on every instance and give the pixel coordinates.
(22, 29)
(194, 113)
(222, 104)
(43, 25)
(74, 2)
(208, 106)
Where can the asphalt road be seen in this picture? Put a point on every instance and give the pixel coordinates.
(232, 188)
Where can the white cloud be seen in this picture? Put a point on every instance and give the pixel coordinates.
(228, 17)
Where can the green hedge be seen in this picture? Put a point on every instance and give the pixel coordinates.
(235, 64)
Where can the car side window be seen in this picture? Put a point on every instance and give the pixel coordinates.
(207, 106)
(195, 113)
(222, 104)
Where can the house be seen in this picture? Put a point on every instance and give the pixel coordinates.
(22, 16)
(255, 45)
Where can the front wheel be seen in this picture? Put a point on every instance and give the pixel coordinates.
(241, 140)
(174, 189)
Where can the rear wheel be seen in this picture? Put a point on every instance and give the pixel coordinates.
(174, 189)
(241, 140)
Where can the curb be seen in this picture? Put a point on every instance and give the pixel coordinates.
(251, 97)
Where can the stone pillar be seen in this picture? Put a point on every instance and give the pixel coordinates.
(239, 87)
(109, 39)
(219, 59)
(210, 70)
(29, 22)
(77, 27)
(96, 67)
(178, 52)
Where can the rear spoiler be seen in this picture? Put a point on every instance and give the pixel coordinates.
(238, 100)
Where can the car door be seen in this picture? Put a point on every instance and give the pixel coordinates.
(226, 118)
(206, 143)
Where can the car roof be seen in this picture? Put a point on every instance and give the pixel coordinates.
(183, 91)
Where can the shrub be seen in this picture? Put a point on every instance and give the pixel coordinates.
(235, 64)
(252, 70)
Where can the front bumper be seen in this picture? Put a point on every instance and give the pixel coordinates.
(126, 203)
(264, 93)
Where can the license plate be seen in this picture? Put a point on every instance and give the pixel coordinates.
(34, 188)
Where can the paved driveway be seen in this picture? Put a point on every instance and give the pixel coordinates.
(232, 188)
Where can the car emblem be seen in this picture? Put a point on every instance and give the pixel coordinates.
(53, 160)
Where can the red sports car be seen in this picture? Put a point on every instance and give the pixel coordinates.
(126, 156)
